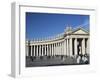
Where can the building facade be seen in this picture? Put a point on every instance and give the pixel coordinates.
(70, 43)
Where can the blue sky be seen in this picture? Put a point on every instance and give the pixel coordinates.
(41, 25)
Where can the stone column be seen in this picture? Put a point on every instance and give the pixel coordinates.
(70, 44)
(83, 46)
(75, 46)
(34, 51)
(61, 48)
(31, 50)
(55, 48)
(52, 50)
(27, 50)
(58, 48)
(48, 50)
(45, 49)
(39, 50)
(42, 50)
(88, 45)
(67, 48)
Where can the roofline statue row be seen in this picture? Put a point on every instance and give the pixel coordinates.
(67, 31)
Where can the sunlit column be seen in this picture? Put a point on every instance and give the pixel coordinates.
(42, 50)
(70, 43)
(55, 48)
(48, 50)
(67, 48)
(75, 46)
(63, 48)
(88, 45)
(45, 49)
(52, 50)
(83, 46)
(37, 51)
(60, 48)
(34, 50)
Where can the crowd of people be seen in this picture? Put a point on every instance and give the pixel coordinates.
(82, 59)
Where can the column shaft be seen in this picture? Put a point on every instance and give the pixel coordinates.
(83, 46)
(75, 46)
(39, 50)
(31, 50)
(67, 48)
(34, 50)
(55, 48)
(88, 45)
(70, 46)
(27, 50)
(52, 50)
(45, 49)
(60, 49)
(42, 50)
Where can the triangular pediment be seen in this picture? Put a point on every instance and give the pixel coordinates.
(80, 31)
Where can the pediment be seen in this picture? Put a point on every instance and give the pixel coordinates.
(80, 31)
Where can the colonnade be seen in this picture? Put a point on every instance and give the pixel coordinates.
(67, 46)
